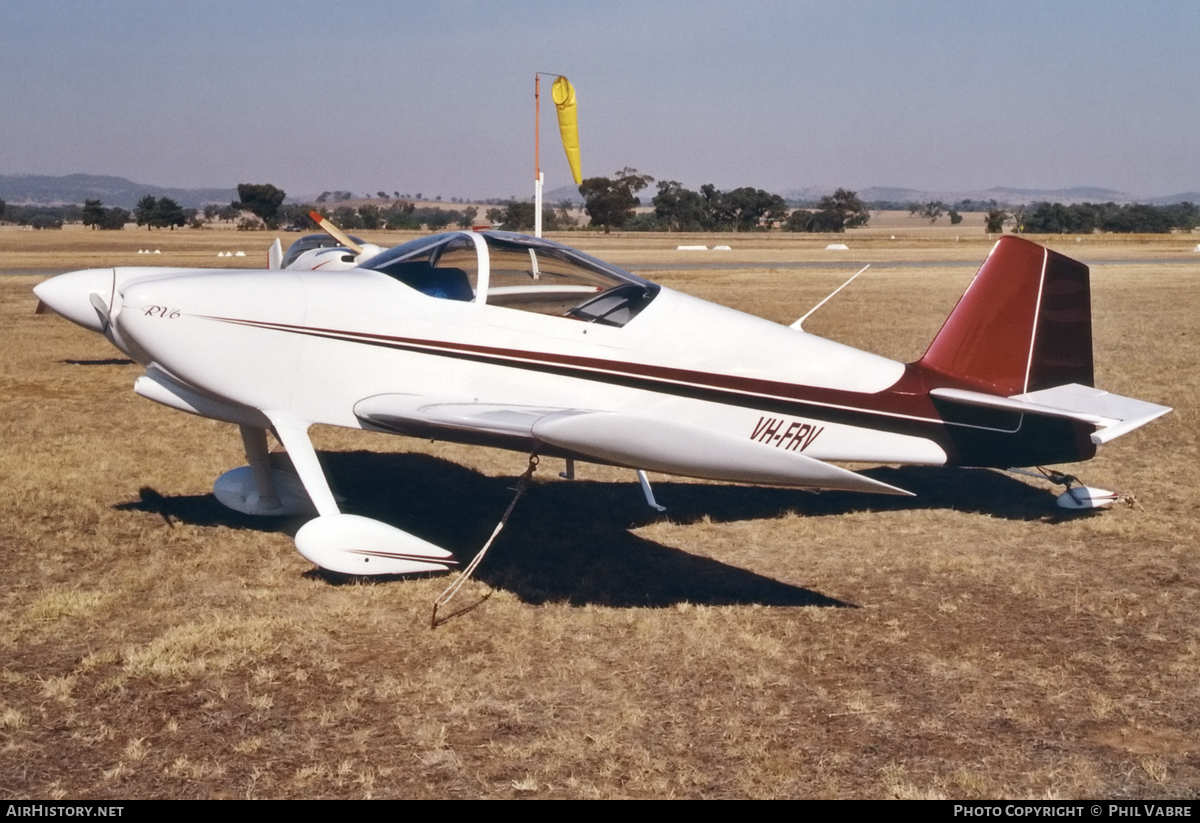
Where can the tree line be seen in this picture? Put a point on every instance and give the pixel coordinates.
(1081, 218)
(611, 203)
(1086, 218)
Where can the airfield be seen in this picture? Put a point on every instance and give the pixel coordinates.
(972, 642)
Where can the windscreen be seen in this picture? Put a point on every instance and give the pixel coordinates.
(534, 275)
(445, 266)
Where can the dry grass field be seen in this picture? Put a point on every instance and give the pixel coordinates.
(972, 642)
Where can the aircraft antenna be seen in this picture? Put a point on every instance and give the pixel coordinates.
(800, 322)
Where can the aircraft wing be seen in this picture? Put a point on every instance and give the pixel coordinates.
(622, 439)
(1111, 414)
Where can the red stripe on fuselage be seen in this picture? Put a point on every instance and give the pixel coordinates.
(903, 408)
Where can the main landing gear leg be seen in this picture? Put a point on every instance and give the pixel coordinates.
(349, 543)
(258, 488)
(255, 442)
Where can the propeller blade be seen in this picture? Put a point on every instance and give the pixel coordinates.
(334, 232)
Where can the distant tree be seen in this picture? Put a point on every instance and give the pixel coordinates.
(825, 220)
(262, 200)
(955, 218)
(45, 221)
(611, 201)
(1082, 218)
(1184, 216)
(518, 216)
(114, 219)
(324, 196)
(1055, 218)
(438, 219)
(295, 215)
(839, 211)
(1137, 218)
(93, 213)
(679, 209)
(370, 216)
(835, 213)
(401, 215)
(383, 195)
(3, 206)
(467, 217)
(995, 219)
(643, 221)
(798, 221)
(145, 210)
(168, 214)
(211, 211)
(849, 209)
(1016, 215)
(345, 217)
(931, 211)
(748, 209)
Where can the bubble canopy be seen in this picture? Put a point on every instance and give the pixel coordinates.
(518, 272)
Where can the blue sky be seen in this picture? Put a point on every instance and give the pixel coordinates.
(437, 97)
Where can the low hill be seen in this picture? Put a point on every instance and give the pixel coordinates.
(46, 190)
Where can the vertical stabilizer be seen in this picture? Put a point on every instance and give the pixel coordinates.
(1024, 324)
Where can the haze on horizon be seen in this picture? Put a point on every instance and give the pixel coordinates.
(438, 99)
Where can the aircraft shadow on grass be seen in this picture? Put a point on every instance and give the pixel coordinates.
(572, 541)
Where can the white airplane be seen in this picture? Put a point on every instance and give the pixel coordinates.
(505, 340)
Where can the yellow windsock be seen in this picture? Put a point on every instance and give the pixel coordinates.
(568, 123)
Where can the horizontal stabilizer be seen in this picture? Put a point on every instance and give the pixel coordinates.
(1111, 414)
(1125, 413)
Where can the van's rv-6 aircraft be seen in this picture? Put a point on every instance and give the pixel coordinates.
(505, 340)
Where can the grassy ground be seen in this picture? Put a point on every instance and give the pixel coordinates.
(972, 642)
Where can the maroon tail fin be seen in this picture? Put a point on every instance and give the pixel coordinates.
(1024, 324)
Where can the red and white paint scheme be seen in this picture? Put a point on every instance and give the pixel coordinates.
(506, 340)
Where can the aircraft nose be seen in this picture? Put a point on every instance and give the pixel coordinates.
(212, 330)
(74, 296)
(151, 322)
